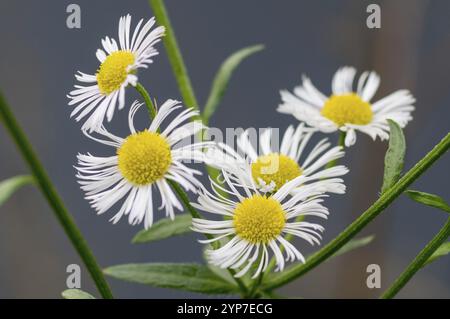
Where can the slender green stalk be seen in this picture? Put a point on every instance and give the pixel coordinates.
(418, 262)
(185, 199)
(254, 288)
(174, 54)
(147, 99)
(178, 67)
(239, 282)
(180, 192)
(54, 200)
(341, 142)
(373, 211)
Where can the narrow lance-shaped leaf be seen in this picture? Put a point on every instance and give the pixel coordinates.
(223, 76)
(429, 200)
(165, 228)
(443, 250)
(189, 277)
(393, 161)
(9, 186)
(76, 294)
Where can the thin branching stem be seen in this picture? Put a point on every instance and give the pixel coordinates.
(49, 191)
(147, 99)
(418, 262)
(341, 142)
(174, 54)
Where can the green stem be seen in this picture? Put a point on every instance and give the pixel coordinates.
(418, 262)
(254, 288)
(341, 142)
(373, 211)
(185, 199)
(174, 54)
(147, 99)
(54, 200)
(178, 67)
(180, 192)
(239, 282)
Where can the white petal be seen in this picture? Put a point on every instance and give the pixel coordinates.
(350, 137)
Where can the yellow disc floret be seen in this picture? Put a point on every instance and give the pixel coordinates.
(113, 71)
(347, 108)
(144, 157)
(259, 219)
(275, 167)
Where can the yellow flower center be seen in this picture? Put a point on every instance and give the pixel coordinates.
(113, 71)
(347, 108)
(259, 219)
(275, 167)
(144, 157)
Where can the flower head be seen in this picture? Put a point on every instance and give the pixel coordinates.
(100, 94)
(272, 166)
(348, 110)
(143, 161)
(256, 223)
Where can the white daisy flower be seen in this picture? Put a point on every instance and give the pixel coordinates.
(143, 161)
(274, 165)
(347, 110)
(256, 223)
(100, 94)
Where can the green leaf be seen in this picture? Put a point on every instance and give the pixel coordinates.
(189, 277)
(76, 294)
(223, 76)
(165, 228)
(443, 250)
(428, 199)
(354, 244)
(393, 161)
(223, 273)
(9, 186)
(220, 272)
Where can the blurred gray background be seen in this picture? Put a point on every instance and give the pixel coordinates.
(39, 55)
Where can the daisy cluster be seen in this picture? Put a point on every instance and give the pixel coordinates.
(262, 194)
